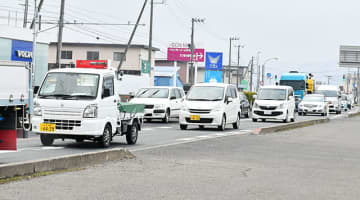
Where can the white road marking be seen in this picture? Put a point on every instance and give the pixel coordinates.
(147, 129)
(165, 127)
(51, 148)
(8, 151)
(204, 136)
(185, 139)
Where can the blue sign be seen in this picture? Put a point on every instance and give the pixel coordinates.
(268, 75)
(21, 51)
(214, 61)
(213, 76)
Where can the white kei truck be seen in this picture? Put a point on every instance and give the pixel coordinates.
(84, 104)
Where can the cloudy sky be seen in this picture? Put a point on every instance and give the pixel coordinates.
(304, 34)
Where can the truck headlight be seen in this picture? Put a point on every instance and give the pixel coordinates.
(37, 110)
(90, 111)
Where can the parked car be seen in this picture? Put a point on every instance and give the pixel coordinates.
(211, 104)
(274, 102)
(160, 102)
(244, 105)
(313, 104)
(345, 102)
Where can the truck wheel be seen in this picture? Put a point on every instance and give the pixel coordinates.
(106, 137)
(223, 124)
(132, 133)
(46, 140)
(236, 125)
(183, 126)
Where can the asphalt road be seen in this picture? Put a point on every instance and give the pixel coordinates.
(318, 162)
(153, 134)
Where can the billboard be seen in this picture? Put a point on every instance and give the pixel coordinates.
(94, 64)
(214, 61)
(349, 56)
(184, 54)
(21, 51)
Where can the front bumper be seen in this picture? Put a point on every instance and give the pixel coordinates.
(211, 119)
(154, 113)
(83, 127)
(334, 108)
(277, 114)
(311, 110)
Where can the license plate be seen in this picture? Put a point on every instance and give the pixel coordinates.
(195, 117)
(266, 112)
(47, 127)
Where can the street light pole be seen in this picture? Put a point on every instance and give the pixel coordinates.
(229, 70)
(238, 64)
(263, 68)
(192, 71)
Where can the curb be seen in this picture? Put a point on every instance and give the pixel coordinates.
(63, 162)
(294, 125)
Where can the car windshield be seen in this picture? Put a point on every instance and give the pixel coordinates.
(313, 99)
(153, 93)
(206, 93)
(271, 94)
(328, 93)
(295, 84)
(73, 85)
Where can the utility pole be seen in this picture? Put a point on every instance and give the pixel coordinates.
(258, 70)
(251, 73)
(358, 85)
(32, 68)
(61, 26)
(238, 65)
(26, 10)
(328, 77)
(150, 36)
(192, 47)
(229, 70)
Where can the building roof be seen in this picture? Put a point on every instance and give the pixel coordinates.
(105, 45)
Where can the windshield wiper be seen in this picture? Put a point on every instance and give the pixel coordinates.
(199, 99)
(78, 96)
(55, 95)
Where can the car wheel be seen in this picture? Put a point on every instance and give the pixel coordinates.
(46, 140)
(286, 120)
(167, 117)
(183, 126)
(236, 125)
(223, 124)
(294, 117)
(254, 120)
(106, 137)
(132, 133)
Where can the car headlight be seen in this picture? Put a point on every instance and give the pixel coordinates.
(256, 105)
(37, 110)
(90, 111)
(281, 106)
(158, 106)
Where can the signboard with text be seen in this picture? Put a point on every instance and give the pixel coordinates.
(184, 54)
(145, 66)
(94, 64)
(21, 51)
(214, 61)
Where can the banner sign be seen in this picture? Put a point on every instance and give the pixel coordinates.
(21, 51)
(145, 66)
(94, 64)
(214, 61)
(213, 76)
(184, 54)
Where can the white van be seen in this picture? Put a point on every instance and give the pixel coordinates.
(211, 104)
(332, 96)
(160, 102)
(274, 102)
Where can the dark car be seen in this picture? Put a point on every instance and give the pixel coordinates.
(244, 105)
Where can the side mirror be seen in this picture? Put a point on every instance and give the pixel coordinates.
(36, 89)
(172, 98)
(106, 93)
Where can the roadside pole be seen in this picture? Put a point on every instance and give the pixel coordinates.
(33, 66)
(358, 85)
(60, 33)
(251, 73)
(175, 73)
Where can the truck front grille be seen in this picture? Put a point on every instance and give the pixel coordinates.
(63, 124)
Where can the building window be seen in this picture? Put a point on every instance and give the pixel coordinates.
(66, 55)
(92, 55)
(118, 56)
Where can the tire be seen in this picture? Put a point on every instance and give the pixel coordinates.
(46, 140)
(167, 117)
(286, 120)
(132, 133)
(299, 113)
(304, 114)
(183, 126)
(106, 137)
(254, 120)
(294, 117)
(223, 124)
(236, 125)
(246, 115)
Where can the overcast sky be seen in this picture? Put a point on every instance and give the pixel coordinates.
(304, 34)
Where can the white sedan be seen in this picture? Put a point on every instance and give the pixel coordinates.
(313, 104)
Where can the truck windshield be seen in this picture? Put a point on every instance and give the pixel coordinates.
(70, 85)
(295, 84)
(328, 93)
(153, 93)
(206, 93)
(272, 94)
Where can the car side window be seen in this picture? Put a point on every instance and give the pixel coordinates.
(172, 93)
(177, 93)
(228, 93)
(108, 87)
(233, 93)
(182, 93)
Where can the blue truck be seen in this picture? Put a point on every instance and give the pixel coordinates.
(298, 81)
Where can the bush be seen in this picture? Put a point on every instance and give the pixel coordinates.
(250, 96)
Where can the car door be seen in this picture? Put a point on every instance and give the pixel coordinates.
(178, 101)
(291, 102)
(174, 112)
(108, 105)
(229, 109)
(235, 105)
